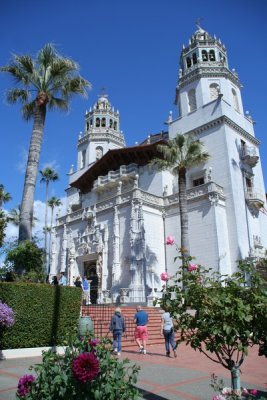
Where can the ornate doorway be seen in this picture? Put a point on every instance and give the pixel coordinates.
(90, 273)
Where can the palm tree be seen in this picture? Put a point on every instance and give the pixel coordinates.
(47, 82)
(48, 175)
(52, 203)
(4, 196)
(14, 216)
(179, 154)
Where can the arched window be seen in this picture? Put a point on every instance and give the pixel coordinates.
(212, 55)
(103, 122)
(188, 62)
(83, 159)
(87, 125)
(115, 125)
(235, 100)
(97, 122)
(91, 123)
(214, 91)
(204, 55)
(111, 123)
(192, 102)
(98, 152)
(194, 58)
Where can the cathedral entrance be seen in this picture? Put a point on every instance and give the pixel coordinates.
(90, 273)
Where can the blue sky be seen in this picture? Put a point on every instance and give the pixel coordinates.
(132, 49)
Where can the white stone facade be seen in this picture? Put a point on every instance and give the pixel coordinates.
(120, 209)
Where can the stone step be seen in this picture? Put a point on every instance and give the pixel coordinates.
(101, 316)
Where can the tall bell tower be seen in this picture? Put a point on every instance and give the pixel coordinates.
(209, 106)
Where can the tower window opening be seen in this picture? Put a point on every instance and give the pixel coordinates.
(204, 55)
(192, 102)
(214, 91)
(198, 181)
(83, 159)
(111, 123)
(235, 100)
(91, 122)
(188, 62)
(194, 58)
(103, 122)
(97, 122)
(87, 125)
(212, 55)
(115, 125)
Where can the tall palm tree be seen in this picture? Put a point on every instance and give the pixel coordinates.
(47, 82)
(53, 202)
(179, 154)
(4, 196)
(47, 175)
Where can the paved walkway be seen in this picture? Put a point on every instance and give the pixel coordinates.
(186, 377)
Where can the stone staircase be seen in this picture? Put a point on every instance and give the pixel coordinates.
(101, 316)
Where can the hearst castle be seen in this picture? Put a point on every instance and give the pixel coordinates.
(120, 209)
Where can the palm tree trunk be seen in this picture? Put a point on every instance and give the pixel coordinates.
(45, 244)
(26, 214)
(183, 214)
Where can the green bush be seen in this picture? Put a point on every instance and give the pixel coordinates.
(44, 313)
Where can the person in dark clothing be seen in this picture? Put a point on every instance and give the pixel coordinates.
(78, 282)
(55, 280)
(117, 327)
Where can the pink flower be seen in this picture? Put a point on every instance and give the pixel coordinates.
(164, 276)
(254, 392)
(94, 342)
(24, 385)
(170, 240)
(85, 367)
(192, 267)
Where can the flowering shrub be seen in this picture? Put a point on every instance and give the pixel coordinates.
(87, 370)
(226, 393)
(7, 316)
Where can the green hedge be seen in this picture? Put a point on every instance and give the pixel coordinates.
(44, 314)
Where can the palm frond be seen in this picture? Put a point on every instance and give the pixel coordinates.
(28, 110)
(21, 95)
(47, 55)
(57, 103)
(75, 85)
(16, 73)
(24, 63)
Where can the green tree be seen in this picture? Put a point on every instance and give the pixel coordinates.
(47, 82)
(4, 196)
(25, 258)
(53, 202)
(220, 316)
(178, 155)
(3, 225)
(47, 175)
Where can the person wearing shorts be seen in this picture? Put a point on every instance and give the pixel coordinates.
(140, 334)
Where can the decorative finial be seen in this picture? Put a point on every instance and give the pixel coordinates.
(198, 22)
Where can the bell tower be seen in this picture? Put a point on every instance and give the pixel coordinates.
(101, 133)
(204, 75)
